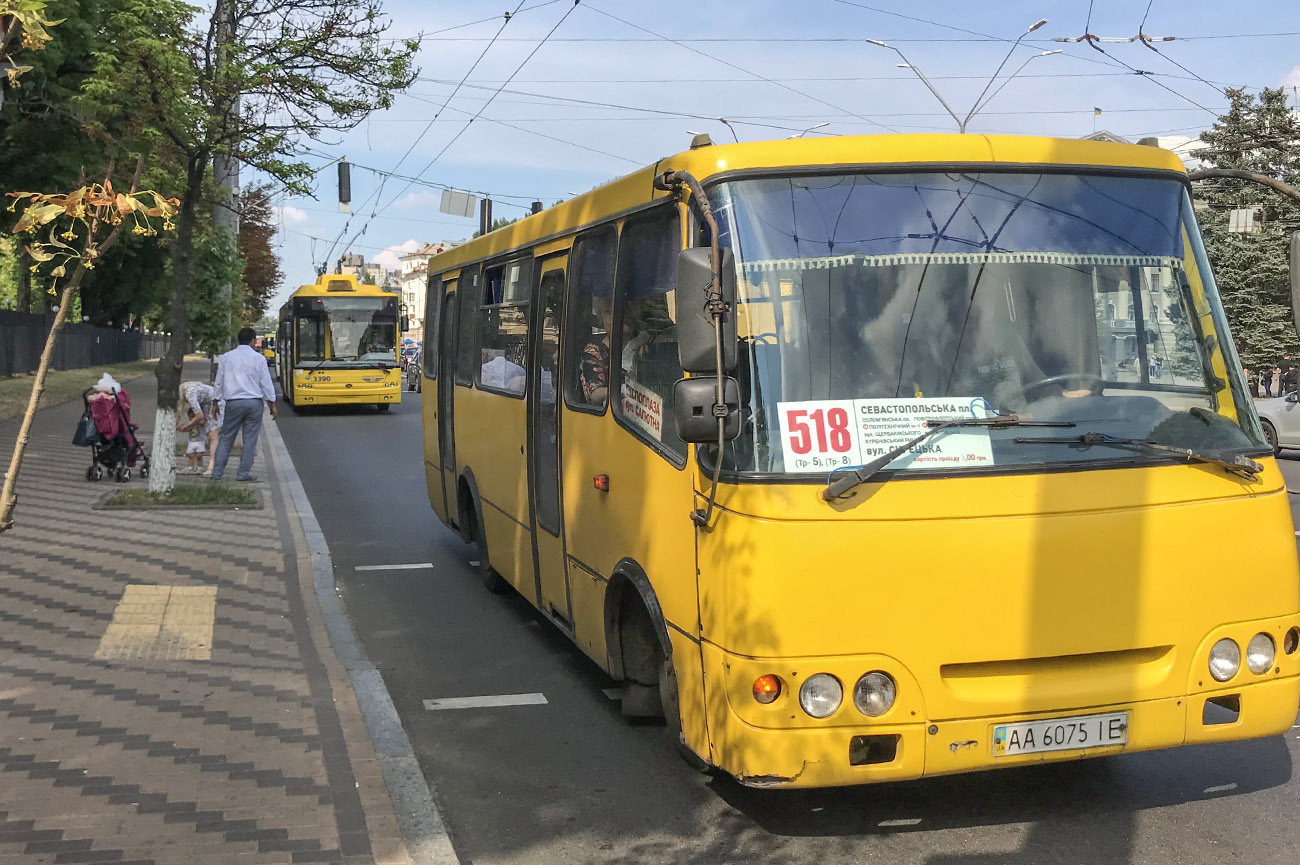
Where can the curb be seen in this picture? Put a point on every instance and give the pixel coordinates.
(422, 828)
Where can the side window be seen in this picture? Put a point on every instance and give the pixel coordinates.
(467, 355)
(432, 310)
(503, 327)
(590, 321)
(646, 349)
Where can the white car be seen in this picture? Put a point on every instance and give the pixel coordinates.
(1281, 418)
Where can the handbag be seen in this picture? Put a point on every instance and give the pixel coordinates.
(86, 434)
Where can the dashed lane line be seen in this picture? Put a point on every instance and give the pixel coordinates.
(412, 566)
(490, 701)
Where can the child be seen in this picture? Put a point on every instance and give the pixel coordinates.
(195, 449)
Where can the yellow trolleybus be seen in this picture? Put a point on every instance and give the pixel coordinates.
(337, 345)
(868, 458)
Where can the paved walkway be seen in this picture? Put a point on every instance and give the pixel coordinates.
(168, 693)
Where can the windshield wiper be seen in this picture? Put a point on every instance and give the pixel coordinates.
(1239, 465)
(330, 360)
(852, 477)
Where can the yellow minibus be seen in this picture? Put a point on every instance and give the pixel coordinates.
(337, 344)
(868, 458)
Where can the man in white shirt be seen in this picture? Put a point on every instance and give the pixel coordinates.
(244, 383)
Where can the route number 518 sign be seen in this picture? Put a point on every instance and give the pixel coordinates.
(824, 435)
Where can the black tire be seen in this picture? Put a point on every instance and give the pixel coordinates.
(126, 476)
(144, 471)
(385, 406)
(90, 473)
(419, 384)
(1271, 434)
(98, 473)
(492, 581)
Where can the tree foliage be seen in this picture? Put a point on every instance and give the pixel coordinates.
(1261, 134)
(262, 274)
(215, 316)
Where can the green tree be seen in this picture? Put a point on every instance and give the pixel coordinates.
(1259, 134)
(262, 274)
(252, 79)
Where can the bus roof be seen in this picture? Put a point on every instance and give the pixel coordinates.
(336, 284)
(834, 152)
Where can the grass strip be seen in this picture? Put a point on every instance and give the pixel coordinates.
(208, 493)
(62, 385)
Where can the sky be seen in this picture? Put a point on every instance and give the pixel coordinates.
(664, 69)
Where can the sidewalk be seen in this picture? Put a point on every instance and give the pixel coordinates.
(253, 749)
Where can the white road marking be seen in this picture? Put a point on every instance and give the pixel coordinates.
(474, 564)
(617, 693)
(1222, 788)
(911, 821)
(491, 701)
(413, 566)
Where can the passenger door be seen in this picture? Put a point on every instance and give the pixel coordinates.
(446, 387)
(544, 442)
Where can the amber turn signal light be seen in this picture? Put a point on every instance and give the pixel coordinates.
(767, 688)
(602, 483)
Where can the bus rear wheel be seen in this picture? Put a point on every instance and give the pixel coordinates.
(491, 580)
(385, 406)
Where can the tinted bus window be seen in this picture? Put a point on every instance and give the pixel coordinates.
(590, 321)
(432, 311)
(647, 344)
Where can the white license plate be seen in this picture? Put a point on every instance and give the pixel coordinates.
(1060, 734)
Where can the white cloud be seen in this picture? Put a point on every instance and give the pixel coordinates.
(1292, 79)
(391, 257)
(293, 217)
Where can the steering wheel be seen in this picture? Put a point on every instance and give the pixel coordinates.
(1093, 384)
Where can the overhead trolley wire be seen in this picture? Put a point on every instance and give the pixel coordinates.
(378, 193)
(482, 108)
(772, 81)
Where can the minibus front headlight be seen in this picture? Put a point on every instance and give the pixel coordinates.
(821, 695)
(1225, 660)
(874, 694)
(1260, 653)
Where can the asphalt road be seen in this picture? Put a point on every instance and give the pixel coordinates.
(572, 781)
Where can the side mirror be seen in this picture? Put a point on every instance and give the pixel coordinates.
(693, 401)
(695, 336)
(1293, 396)
(1295, 278)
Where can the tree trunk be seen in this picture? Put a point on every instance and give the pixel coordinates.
(162, 472)
(9, 492)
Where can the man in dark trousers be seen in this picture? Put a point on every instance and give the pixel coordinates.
(1288, 375)
(244, 383)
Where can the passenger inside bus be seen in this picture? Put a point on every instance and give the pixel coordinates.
(593, 364)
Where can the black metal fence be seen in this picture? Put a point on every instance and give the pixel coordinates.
(22, 339)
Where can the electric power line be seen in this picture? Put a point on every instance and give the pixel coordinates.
(773, 81)
(380, 190)
(456, 137)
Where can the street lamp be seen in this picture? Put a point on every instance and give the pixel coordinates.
(979, 106)
(811, 128)
(1010, 51)
(724, 122)
(906, 64)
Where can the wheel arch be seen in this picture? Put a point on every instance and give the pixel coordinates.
(630, 582)
(469, 507)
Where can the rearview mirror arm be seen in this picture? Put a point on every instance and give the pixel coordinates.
(716, 305)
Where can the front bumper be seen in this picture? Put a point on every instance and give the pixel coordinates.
(819, 755)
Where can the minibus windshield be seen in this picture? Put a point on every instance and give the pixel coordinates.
(335, 332)
(871, 304)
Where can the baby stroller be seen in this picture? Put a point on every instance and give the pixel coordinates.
(107, 430)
